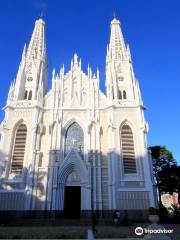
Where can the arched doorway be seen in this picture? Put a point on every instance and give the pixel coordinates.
(73, 192)
(72, 196)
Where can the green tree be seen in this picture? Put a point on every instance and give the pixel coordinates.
(169, 179)
(162, 161)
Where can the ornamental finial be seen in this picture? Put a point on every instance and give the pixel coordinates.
(114, 14)
(42, 14)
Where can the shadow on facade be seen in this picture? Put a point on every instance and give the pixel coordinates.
(89, 189)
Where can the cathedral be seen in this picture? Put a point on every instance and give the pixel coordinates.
(73, 148)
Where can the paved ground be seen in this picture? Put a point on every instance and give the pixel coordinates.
(78, 232)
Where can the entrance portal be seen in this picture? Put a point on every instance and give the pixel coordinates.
(72, 201)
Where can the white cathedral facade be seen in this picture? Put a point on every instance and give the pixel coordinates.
(73, 148)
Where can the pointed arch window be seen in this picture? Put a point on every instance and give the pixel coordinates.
(119, 94)
(124, 94)
(19, 149)
(25, 94)
(74, 139)
(127, 147)
(113, 94)
(30, 95)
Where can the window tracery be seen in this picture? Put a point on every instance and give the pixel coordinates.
(74, 139)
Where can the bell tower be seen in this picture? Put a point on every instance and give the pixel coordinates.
(31, 79)
(121, 85)
(23, 123)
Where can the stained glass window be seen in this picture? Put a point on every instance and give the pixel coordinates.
(74, 139)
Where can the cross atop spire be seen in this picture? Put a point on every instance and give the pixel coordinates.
(114, 14)
(42, 14)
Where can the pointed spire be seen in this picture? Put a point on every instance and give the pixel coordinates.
(57, 77)
(37, 48)
(40, 92)
(97, 74)
(71, 64)
(53, 73)
(75, 62)
(80, 63)
(88, 71)
(33, 66)
(129, 52)
(61, 73)
(24, 52)
(117, 47)
(63, 70)
(11, 91)
(119, 71)
(53, 78)
(75, 59)
(107, 53)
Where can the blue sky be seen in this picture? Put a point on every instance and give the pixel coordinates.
(151, 27)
